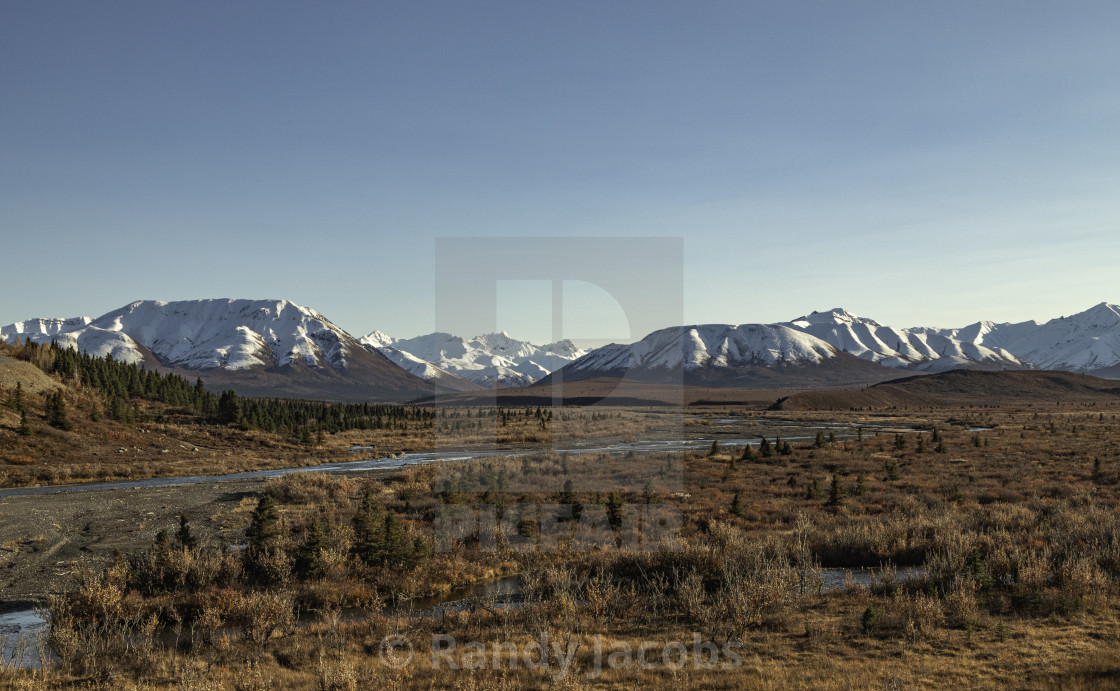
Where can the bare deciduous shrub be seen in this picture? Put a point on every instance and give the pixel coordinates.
(336, 675)
(916, 615)
(947, 559)
(259, 614)
(312, 488)
(690, 595)
(960, 603)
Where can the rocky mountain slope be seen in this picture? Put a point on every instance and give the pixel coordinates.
(1087, 342)
(725, 355)
(816, 348)
(257, 347)
(488, 360)
(918, 349)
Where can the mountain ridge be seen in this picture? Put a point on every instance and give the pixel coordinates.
(489, 360)
(1085, 343)
(260, 344)
(269, 347)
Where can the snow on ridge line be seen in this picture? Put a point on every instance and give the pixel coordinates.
(701, 346)
(493, 359)
(232, 334)
(45, 326)
(900, 348)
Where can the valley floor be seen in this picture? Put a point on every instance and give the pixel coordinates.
(1011, 512)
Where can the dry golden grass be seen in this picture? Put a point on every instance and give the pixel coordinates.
(1017, 528)
(167, 444)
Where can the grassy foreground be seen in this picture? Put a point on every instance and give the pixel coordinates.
(650, 571)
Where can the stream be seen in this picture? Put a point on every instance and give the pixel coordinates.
(22, 632)
(22, 638)
(792, 432)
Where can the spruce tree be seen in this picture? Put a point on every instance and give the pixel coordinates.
(25, 429)
(567, 497)
(764, 448)
(367, 522)
(185, 536)
(229, 408)
(163, 541)
(309, 558)
(265, 560)
(836, 492)
(56, 411)
(814, 491)
(614, 510)
(396, 545)
(16, 401)
(737, 506)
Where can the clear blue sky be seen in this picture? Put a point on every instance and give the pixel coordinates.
(927, 163)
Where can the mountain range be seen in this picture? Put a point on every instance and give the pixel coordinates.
(1088, 342)
(490, 360)
(835, 348)
(256, 347)
(278, 348)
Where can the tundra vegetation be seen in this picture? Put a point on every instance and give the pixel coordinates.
(1011, 513)
(113, 421)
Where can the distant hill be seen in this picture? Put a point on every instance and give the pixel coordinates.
(961, 387)
(33, 380)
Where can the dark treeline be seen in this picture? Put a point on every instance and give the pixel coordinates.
(123, 386)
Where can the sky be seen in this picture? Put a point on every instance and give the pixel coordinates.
(917, 163)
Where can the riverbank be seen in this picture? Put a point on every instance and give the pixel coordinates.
(45, 537)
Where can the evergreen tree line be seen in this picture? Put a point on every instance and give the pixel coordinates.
(123, 385)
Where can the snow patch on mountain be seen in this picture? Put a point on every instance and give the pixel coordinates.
(44, 327)
(708, 346)
(1082, 342)
(201, 334)
(421, 368)
(920, 349)
(495, 359)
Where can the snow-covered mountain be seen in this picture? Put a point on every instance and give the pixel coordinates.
(919, 349)
(377, 341)
(712, 354)
(201, 334)
(1086, 342)
(726, 355)
(231, 343)
(278, 348)
(489, 360)
(710, 345)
